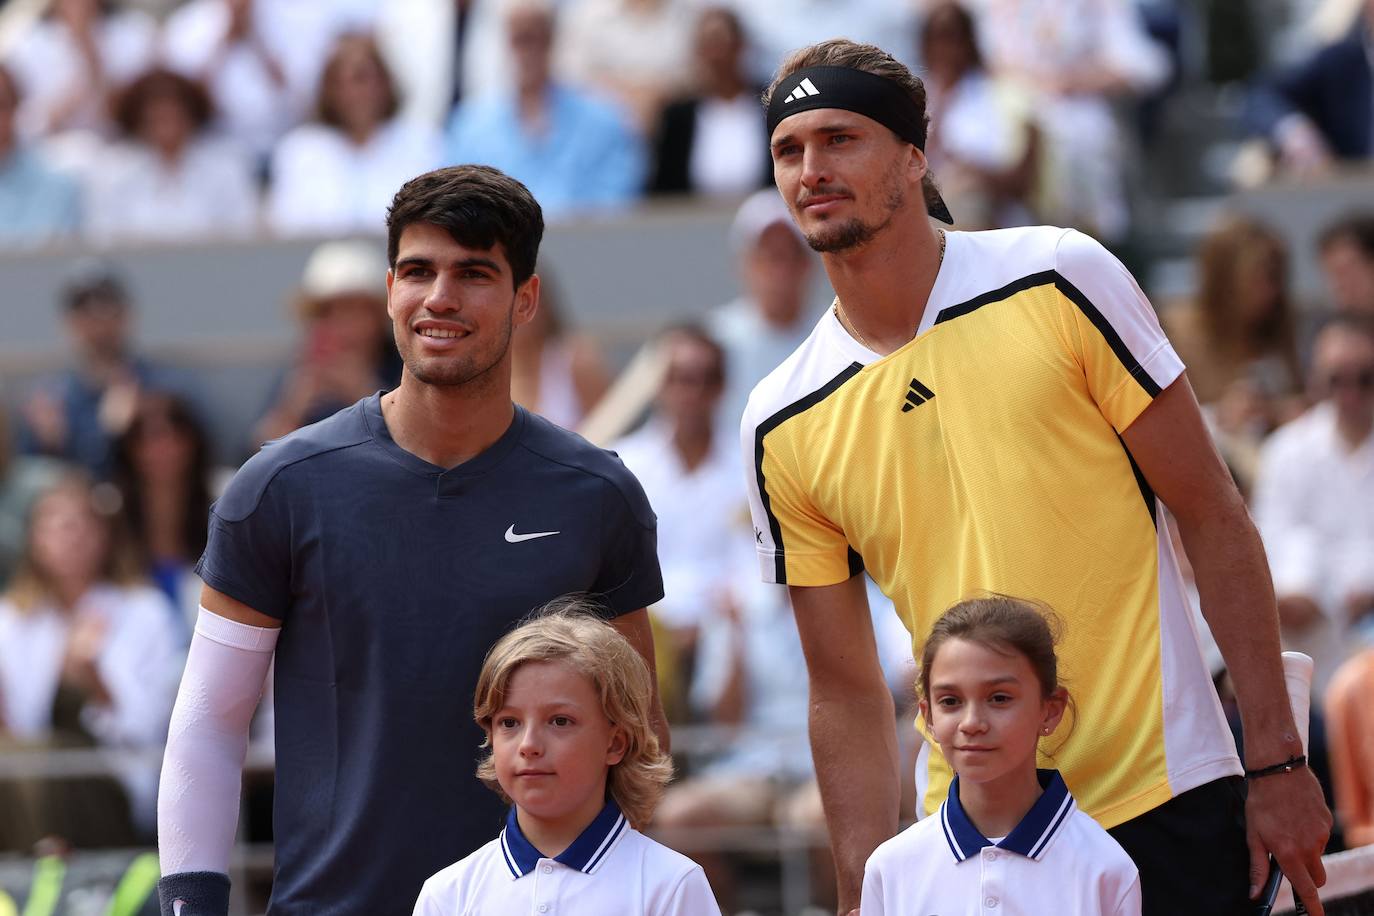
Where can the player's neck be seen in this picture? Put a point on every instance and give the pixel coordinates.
(995, 807)
(884, 285)
(447, 425)
(551, 836)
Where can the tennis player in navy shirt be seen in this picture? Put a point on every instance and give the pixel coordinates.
(377, 556)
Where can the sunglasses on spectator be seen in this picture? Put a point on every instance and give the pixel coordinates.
(696, 378)
(1360, 379)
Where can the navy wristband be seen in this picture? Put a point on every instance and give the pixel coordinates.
(201, 893)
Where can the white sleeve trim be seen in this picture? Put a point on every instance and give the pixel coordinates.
(198, 797)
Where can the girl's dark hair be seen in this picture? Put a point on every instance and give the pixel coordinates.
(326, 107)
(1003, 624)
(195, 498)
(129, 103)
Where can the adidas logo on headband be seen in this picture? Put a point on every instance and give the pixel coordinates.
(804, 89)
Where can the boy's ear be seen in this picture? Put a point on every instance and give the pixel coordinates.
(924, 707)
(619, 747)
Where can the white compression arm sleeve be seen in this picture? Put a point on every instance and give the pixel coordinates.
(198, 797)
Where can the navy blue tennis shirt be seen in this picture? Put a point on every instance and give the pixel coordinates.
(392, 578)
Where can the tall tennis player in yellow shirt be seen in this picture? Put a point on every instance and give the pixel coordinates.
(1000, 411)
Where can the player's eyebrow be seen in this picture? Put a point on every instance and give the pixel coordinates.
(422, 261)
(827, 129)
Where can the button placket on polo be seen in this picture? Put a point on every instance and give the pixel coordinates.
(992, 878)
(545, 888)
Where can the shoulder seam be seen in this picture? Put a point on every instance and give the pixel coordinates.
(271, 478)
(590, 472)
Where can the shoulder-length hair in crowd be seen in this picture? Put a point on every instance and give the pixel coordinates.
(568, 630)
(348, 47)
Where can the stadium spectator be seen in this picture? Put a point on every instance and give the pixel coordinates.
(70, 61)
(1350, 730)
(761, 328)
(1321, 110)
(75, 414)
(983, 145)
(710, 141)
(574, 151)
(1314, 501)
(1237, 337)
(1074, 57)
(37, 205)
(1346, 249)
(556, 372)
(774, 34)
(636, 51)
(88, 656)
(162, 468)
(169, 180)
(690, 472)
(22, 479)
(336, 174)
(346, 350)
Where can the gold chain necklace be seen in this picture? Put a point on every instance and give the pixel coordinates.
(849, 325)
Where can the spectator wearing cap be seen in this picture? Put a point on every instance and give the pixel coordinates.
(575, 152)
(37, 205)
(337, 174)
(1314, 502)
(76, 414)
(772, 316)
(346, 351)
(168, 180)
(712, 141)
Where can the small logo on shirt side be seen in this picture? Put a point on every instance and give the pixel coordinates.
(513, 538)
(804, 88)
(916, 395)
(177, 904)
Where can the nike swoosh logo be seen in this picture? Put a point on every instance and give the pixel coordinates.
(513, 538)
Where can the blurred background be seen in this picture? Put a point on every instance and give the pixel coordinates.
(192, 195)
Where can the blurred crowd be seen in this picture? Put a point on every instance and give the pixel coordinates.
(160, 122)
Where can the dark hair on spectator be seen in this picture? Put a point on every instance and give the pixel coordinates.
(479, 206)
(129, 103)
(700, 336)
(955, 16)
(726, 15)
(1003, 624)
(11, 85)
(1351, 322)
(841, 52)
(326, 106)
(1356, 226)
(195, 496)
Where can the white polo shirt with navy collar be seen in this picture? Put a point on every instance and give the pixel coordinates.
(611, 869)
(1056, 860)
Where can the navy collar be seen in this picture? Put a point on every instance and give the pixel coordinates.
(1029, 838)
(586, 853)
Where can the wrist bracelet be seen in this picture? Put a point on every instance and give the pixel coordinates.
(1288, 766)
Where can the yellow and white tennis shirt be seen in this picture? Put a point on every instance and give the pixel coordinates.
(985, 455)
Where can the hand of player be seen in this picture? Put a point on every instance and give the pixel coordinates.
(1286, 815)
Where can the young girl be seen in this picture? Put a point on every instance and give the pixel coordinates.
(564, 701)
(1009, 839)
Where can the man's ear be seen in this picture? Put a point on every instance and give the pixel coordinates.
(526, 301)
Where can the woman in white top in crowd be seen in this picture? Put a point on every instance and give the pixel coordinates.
(169, 180)
(70, 60)
(337, 174)
(88, 653)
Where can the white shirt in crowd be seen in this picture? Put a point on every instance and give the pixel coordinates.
(1056, 860)
(50, 67)
(139, 664)
(702, 520)
(725, 154)
(610, 870)
(324, 184)
(134, 195)
(1314, 505)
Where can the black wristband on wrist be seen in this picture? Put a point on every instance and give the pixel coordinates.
(1288, 766)
(202, 893)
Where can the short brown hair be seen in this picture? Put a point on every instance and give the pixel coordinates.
(569, 630)
(128, 103)
(841, 52)
(478, 206)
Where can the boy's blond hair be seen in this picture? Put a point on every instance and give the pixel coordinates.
(568, 630)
